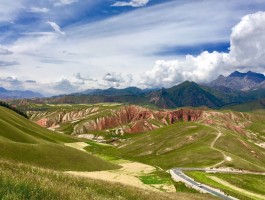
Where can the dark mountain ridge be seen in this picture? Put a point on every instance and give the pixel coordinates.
(117, 92)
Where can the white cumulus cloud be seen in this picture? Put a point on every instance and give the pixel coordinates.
(248, 41)
(133, 3)
(247, 50)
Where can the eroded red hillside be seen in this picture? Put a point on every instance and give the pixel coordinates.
(131, 119)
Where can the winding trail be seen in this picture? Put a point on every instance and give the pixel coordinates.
(214, 148)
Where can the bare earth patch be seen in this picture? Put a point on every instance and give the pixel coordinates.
(77, 145)
(113, 176)
(127, 175)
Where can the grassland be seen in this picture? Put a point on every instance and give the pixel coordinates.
(20, 181)
(24, 141)
(249, 185)
(180, 145)
(247, 107)
(244, 154)
(183, 144)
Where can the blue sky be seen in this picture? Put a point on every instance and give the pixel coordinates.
(64, 46)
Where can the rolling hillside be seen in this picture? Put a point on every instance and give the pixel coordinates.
(249, 106)
(32, 159)
(168, 138)
(165, 139)
(26, 142)
(215, 140)
(20, 181)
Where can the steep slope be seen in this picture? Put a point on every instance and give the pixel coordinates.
(185, 94)
(24, 141)
(162, 99)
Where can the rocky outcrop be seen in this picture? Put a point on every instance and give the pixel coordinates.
(54, 118)
(129, 119)
(137, 119)
(181, 115)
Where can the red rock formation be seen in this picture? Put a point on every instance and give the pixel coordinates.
(43, 122)
(182, 114)
(138, 118)
(133, 119)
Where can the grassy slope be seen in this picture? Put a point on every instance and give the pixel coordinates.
(251, 183)
(247, 107)
(240, 144)
(18, 129)
(19, 181)
(184, 144)
(178, 145)
(258, 125)
(24, 141)
(245, 154)
(187, 144)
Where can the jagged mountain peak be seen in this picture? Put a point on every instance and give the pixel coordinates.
(237, 74)
(239, 81)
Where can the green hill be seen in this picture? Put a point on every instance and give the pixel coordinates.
(217, 139)
(20, 181)
(184, 144)
(192, 94)
(26, 142)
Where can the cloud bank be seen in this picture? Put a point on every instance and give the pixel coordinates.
(5, 51)
(247, 50)
(100, 38)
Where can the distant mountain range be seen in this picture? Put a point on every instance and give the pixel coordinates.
(17, 94)
(193, 94)
(240, 81)
(224, 91)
